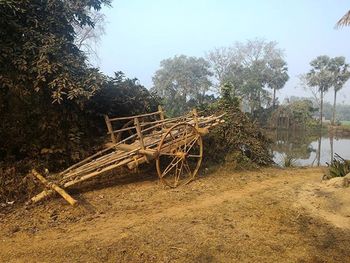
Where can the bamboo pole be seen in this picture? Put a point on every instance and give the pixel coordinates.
(55, 187)
(135, 116)
(195, 118)
(121, 130)
(161, 112)
(110, 128)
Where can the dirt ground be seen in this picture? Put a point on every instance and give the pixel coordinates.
(270, 215)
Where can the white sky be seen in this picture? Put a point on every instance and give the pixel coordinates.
(140, 34)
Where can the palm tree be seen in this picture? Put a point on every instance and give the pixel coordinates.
(341, 74)
(277, 76)
(321, 77)
(344, 21)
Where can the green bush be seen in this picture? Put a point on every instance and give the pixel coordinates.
(338, 167)
(238, 139)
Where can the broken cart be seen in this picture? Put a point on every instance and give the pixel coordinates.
(174, 143)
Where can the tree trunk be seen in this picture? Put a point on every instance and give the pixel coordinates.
(251, 104)
(334, 106)
(319, 150)
(274, 98)
(321, 108)
(332, 149)
(259, 100)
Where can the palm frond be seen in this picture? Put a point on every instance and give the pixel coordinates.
(344, 21)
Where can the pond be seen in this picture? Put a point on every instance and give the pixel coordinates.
(307, 148)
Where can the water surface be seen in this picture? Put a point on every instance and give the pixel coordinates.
(308, 149)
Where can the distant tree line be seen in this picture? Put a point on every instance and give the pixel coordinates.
(254, 70)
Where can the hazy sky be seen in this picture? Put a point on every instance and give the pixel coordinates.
(140, 34)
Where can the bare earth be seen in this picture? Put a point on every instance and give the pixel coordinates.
(271, 215)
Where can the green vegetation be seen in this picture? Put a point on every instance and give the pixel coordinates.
(250, 67)
(345, 123)
(239, 140)
(339, 167)
(182, 83)
(288, 161)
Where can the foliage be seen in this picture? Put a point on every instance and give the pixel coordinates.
(338, 167)
(303, 111)
(59, 135)
(288, 161)
(320, 76)
(250, 67)
(182, 79)
(120, 96)
(344, 21)
(37, 50)
(238, 139)
(277, 76)
(13, 186)
(87, 37)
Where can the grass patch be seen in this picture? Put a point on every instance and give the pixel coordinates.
(345, 123)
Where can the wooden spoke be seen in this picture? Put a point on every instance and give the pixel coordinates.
(180, 155)
(171, 166)
(191, 144)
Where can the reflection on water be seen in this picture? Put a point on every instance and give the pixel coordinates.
(308, 148)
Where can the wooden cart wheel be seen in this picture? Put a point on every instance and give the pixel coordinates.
(180, 155)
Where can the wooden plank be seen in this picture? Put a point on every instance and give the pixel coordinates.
(195, 118)
(55, 187)
(110, 128)
(139, 133)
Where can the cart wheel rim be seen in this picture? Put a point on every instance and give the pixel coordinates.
(180, 155)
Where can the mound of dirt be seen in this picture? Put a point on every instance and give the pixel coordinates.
(338, 182)
(329, 200)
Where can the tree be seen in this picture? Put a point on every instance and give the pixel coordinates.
(250, 67)
(341, 75)
(221, 61)
(181, 79)
(45, 79)
(320, 76)
(277, 76)
(37, 50)
(88, 37)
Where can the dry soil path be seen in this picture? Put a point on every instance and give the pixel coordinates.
(269, 215)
